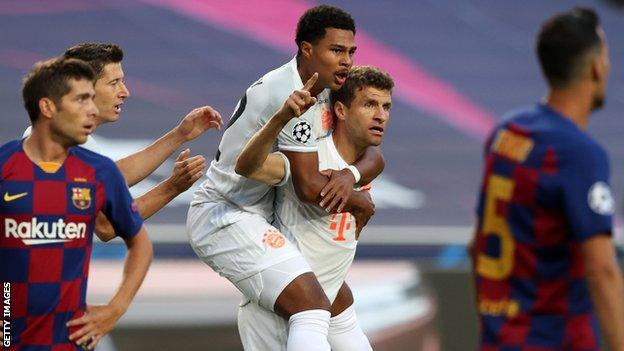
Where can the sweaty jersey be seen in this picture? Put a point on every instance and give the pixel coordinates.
(261, 101)
(327, 241)
(47, 219)
(545, 190)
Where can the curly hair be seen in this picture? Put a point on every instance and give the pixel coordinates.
(312, 24)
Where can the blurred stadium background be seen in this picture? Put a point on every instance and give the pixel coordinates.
(458, 65)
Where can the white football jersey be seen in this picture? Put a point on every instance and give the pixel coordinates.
(260, 102)
(327, 241)
(90, 144)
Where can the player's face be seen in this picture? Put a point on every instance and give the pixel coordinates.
(110, 93)
(368, 115)
(332, 57)
(604, 68)
(75, 114)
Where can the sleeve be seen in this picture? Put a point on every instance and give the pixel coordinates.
(286, 169)
(299, 134)
(119, 206)
(587, 198)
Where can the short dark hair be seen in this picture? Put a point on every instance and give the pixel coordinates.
(312, 24)
(51, 79)
(96, 54)
(360, 77)
(564, 42)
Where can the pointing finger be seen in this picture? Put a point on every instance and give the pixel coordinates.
(310, 83)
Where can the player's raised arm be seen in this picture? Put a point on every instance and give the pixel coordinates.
(142, 163)
(256, 160)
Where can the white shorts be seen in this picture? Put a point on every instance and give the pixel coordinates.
(247, 252)
(261, 329)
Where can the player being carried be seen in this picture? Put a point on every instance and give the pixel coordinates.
(53, 191)
(327, 241)
(110, 95)
(229, 220)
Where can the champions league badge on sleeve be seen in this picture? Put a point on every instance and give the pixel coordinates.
(302, 132)
(600, 199)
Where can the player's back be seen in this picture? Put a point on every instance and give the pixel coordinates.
(539, 200)
(48, 215)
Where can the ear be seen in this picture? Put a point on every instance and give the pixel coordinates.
(306, 49)
(47, 108)
(340, 110)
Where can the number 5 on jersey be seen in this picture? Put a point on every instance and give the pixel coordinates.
(499, 189)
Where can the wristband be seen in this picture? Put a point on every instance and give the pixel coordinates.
(356, 173)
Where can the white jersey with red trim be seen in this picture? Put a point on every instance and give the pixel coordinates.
(327, 241)
(260, 102)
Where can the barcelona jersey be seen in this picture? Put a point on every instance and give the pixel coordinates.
(47, 218)
(545, 191)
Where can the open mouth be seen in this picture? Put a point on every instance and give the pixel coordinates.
(89, 128)
(118, 108)
(376, 130)
(340, 77)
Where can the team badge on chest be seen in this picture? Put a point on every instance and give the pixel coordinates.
(81, 198)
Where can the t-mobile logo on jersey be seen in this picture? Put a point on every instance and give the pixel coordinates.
(36, 232)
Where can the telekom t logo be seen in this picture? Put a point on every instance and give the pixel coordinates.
(340, 225)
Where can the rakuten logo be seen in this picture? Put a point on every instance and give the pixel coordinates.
(35, 232)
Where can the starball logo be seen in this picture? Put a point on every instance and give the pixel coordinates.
(35, 232)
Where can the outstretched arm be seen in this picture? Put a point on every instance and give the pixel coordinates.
(139, 165)
(99, 320)
(185, 173)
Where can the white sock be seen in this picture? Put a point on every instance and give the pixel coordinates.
(345, 333)
(307, 331)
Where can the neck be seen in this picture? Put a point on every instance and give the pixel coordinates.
(573, 103)
(42, 146)
(305, 72)
(347, 147)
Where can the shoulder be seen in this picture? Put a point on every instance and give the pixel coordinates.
(274, 87)
(8, 149)
(100, 163)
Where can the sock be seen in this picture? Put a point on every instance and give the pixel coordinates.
(307, 331)
(345, 333)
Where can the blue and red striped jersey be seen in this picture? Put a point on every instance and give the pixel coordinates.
(48, 218)
(545, 190)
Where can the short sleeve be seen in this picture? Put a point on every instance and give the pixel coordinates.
(286, 169)
(587, 197)
(119, 207)
(299, 134)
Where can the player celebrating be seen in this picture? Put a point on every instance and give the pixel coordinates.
(543, 254)
(111, 92)
(52, 192)
(229, 219)
(327, 241)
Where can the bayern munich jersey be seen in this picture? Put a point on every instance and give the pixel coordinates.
(545, 190)
(47, 219)
(260, 102)
(327, 241)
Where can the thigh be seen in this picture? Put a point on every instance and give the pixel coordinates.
(261, 329)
